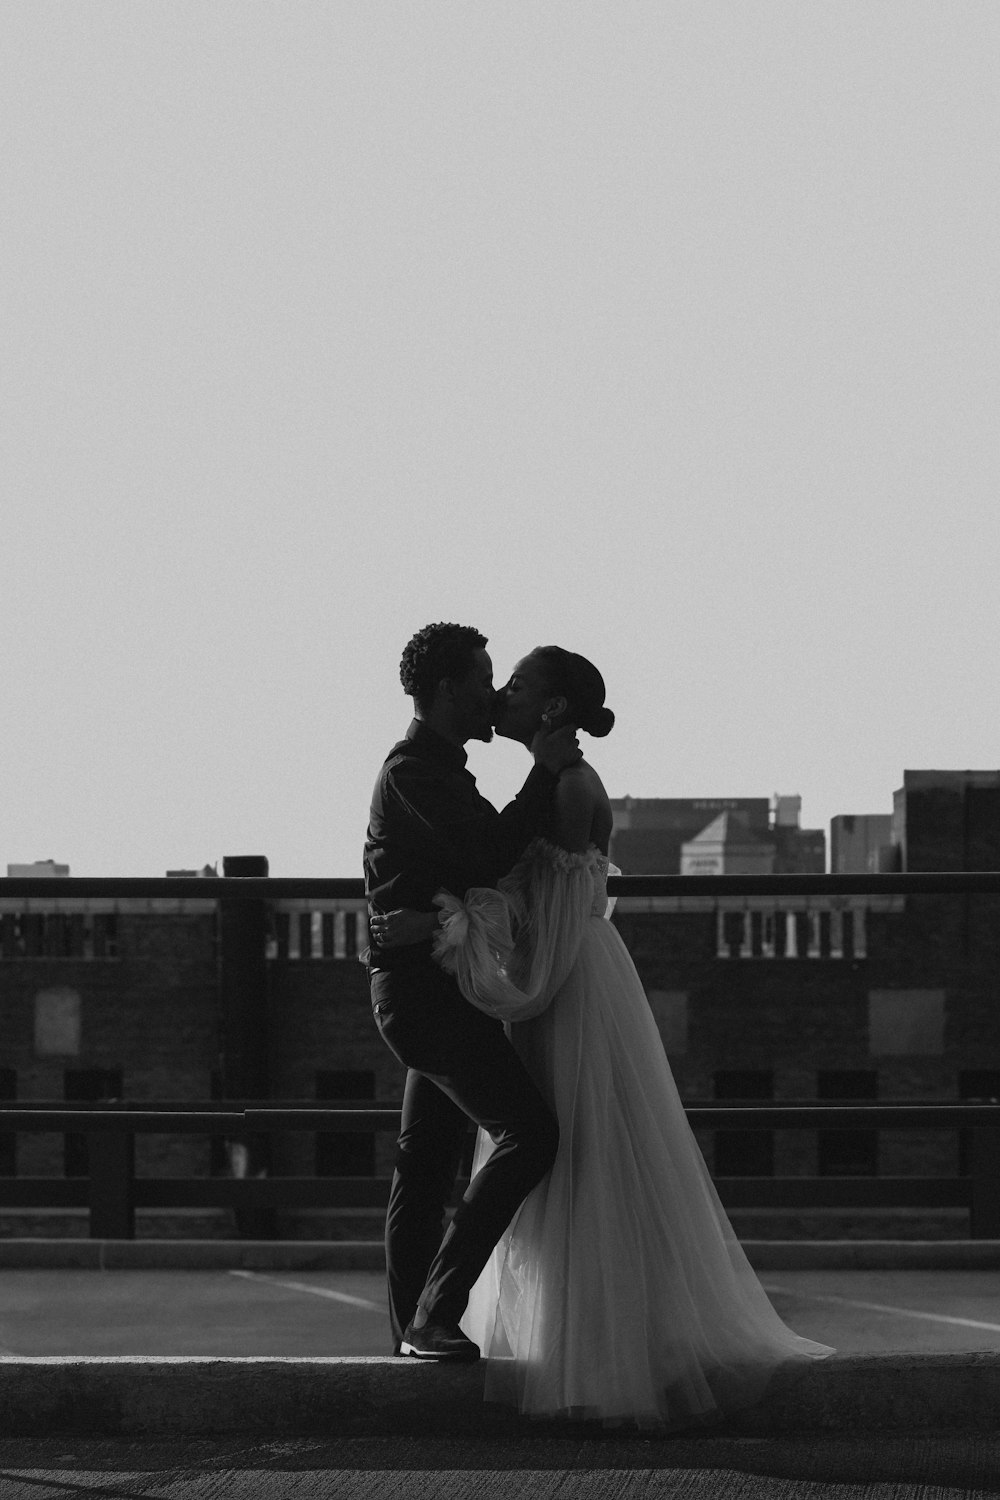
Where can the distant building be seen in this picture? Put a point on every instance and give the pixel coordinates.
(674, 835)
(39, 869)
(861, 843)
(799, 851)
(649, 832)
(948, 820)
(728, 846)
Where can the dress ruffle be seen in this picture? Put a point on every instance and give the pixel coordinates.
(512, 948)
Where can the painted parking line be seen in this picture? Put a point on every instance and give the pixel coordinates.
(313, 1291)
(882, 1307)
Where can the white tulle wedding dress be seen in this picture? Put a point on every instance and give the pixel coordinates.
(620, 1291)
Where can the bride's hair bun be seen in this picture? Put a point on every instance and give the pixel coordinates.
(579, 681)
(599, 723)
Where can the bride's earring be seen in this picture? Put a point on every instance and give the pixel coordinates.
(545, 718)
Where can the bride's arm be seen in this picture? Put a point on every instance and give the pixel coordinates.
(511, 948)
(573, 811)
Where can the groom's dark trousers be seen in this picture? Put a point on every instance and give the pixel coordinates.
(461, 1067)
(430, 830)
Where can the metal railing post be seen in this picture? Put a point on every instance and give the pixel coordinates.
(112, 1184)
(984, 1204)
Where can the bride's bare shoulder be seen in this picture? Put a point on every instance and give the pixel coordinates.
(582, 809)
(583, 776)
(581, 784)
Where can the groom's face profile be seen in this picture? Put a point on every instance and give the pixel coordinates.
(473, 698)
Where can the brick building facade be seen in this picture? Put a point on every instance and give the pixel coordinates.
(127, 1000)
(857, 997)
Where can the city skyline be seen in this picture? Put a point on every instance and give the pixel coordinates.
(852, 842)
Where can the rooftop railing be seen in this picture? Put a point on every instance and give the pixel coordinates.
(288, 888)
(112, 1192)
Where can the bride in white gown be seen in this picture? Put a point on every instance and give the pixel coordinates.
(619, 1291)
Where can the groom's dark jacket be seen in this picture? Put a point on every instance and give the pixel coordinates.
(430, 829)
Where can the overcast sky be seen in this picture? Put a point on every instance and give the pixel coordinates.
(663, 331)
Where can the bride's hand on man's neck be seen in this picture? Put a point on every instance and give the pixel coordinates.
(555, 749)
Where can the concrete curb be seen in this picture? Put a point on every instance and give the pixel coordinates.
(873, 1255)
(368, 1255)
(397, 1398)
(191, 1255)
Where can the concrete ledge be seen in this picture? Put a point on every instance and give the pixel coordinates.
(873, 1255)
(396, 1398)
(191, 1255)
(368, 1255)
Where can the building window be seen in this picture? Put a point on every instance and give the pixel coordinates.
(80, 1085)
(33, 929)
(282, 928)
(803, 929)
(732, 933)
(106, 935)
(78, 934)
(847, 1153)
(847, 934)
(64, 935)
(341, 1154)
(906, 1023)
(58, 1022)
(744, 1153)
(306, 934)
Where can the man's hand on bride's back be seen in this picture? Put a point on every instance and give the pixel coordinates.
(400, 928)
(555, 749)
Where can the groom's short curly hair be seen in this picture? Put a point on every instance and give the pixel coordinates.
(435, 652)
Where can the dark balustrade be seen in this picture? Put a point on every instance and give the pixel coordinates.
(293, 888)
(113, 1192)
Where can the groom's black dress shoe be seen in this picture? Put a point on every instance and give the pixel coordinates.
(438, 1341)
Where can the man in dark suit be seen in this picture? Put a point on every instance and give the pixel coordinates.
(431, 829)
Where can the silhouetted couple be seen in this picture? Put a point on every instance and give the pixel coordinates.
(590, 1258)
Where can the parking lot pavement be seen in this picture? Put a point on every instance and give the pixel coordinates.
(868, 1312)
(884, 1466)
(317, 1313)
(193, 1312)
